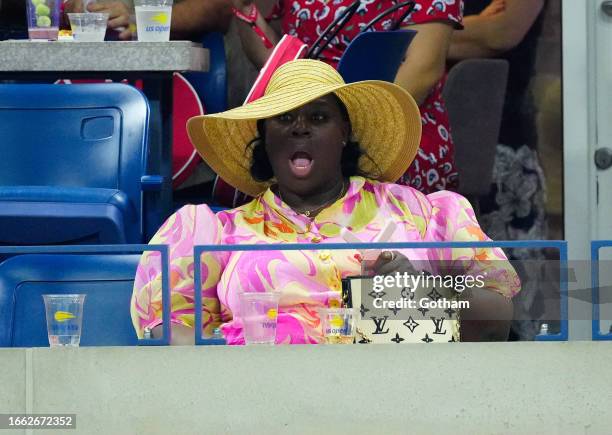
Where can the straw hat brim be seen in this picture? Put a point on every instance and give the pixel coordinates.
(385, 120)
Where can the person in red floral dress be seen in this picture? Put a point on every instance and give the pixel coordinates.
(422, 73)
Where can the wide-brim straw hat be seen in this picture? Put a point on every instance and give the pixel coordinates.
(385, 120)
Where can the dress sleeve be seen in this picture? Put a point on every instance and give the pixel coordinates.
(191, 225)
(452, 219)
(427, 11)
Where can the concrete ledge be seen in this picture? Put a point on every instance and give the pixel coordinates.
(561, 388)
(124, 56)
(13, 371)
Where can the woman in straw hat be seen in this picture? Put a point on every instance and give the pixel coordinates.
(317, 155)
(422, 73)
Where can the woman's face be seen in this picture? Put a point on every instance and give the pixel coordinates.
(305, 146)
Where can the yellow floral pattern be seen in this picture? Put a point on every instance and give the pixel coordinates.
(307, 279)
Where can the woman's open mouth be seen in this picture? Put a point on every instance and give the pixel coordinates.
(301, 164)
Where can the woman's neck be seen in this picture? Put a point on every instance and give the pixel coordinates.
(312, 203)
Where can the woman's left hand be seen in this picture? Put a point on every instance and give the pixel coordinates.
(389, 262)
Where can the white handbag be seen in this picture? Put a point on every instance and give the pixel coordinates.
(399, 313)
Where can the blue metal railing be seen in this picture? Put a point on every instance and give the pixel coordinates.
(561, 246)
(112, 249)
(596, 245)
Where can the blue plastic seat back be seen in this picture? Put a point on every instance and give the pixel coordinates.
(211, 86)
(375, 55)
(85, 136)
(91, 135)
(106, 280)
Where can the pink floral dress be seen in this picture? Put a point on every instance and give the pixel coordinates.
(308, 279)
(434, 166)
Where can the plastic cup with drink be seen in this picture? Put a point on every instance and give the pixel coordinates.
(88, 26)
(259, 312)
(43, 18)
(64, 319)
(338, 325)
(153, 19)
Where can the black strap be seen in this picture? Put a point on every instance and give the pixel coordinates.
(411, 5)
(324, 39)
(332, 30)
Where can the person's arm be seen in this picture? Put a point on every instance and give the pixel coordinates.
(493, 32)
(193, 17)
(490, 311)
(252, 43)
(425, 61)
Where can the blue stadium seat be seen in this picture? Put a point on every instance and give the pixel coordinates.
(107, 281)
(375, 56)
(73, 166)
(211, 86)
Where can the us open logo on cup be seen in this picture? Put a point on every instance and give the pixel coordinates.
(336, 325)
(62, 316)
(270, 319)
(161, 23)
(272, 313)
(153, 23)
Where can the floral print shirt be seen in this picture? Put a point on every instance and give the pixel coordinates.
(307, 279)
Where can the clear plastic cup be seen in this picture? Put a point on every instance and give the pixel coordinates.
(88, 27)
(338, 325)
(153, 19)
(259, 312)
(64, 319)
(43, 18)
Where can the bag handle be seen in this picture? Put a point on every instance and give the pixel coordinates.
(411, 5)
(332, 30)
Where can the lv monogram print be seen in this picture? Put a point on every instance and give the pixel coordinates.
(403, 322)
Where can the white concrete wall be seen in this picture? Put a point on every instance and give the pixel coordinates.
(550, 388)
(12, 381)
